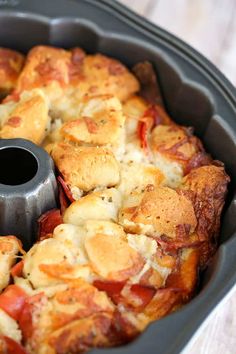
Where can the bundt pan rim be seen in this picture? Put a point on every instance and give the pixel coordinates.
(27, 196)
(172, 333)
(28, 186)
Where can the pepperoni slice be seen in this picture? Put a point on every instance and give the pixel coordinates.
(150, 118)
(144, 293)
(47, 223)
(12, 347)
(25, 318)
(66, 189)
(114, 289)
(12, 300)
(16, 270)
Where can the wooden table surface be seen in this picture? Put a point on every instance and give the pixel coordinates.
(210, 27)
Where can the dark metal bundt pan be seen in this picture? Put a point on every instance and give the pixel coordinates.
(195, 93)
(27, 188)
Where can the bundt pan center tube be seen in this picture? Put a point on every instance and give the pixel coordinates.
(195, 93)
(27, 188)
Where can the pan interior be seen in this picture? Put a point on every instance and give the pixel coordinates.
(18, 166)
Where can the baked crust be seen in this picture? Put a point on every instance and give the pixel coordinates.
(76, 163)
(28, 118)
(100, 122)
(159, 211)
(208, 187)
(11, 63)
(10, 246)
(61, 73)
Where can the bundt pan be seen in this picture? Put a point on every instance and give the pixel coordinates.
(195, 93)
(28, 188)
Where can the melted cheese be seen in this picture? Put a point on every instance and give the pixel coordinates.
(136, 176)
(47, 252)
(147, 247)
(173, 171)
(9, 247)
(9, 327)
(144, 245)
